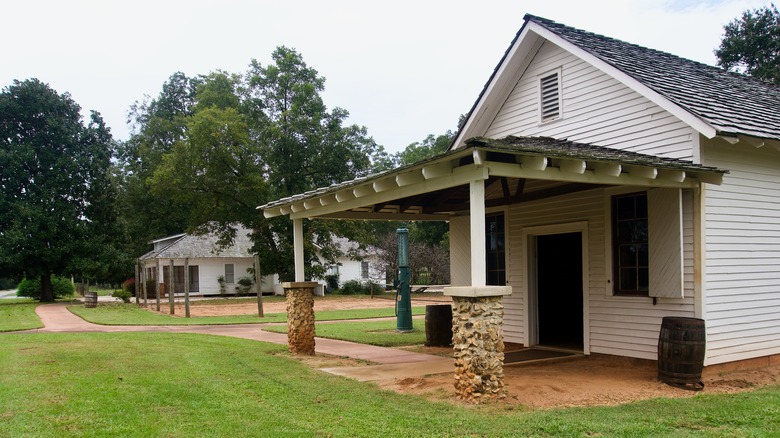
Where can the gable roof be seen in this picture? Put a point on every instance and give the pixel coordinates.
(203, 246)
(729, 103)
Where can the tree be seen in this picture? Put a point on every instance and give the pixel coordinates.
(239, 141)
(303, 146)
(751, 44)
(158, 124)
(55, 184)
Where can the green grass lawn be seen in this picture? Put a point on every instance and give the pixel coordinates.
(382, 333)
(130, 314)
(183, 385)
(18, 314)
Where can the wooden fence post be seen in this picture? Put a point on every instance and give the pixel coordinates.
(186, 288)
(171, 287)
(258, 286)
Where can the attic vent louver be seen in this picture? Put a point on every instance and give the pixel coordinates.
(550, 97)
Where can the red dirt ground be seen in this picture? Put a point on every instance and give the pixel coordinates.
(581, 381)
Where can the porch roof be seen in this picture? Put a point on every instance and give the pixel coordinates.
(515, 169)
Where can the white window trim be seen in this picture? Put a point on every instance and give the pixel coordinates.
(559, 73)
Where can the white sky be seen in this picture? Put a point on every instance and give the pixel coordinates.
(404, 69)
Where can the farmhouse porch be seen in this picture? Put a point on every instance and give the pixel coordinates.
(470, 186)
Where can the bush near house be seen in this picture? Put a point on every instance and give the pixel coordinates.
(243, 285)
(355, 287)
(129, 286)
(31, 288)
(122, 295)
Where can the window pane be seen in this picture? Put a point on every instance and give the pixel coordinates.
(628, 255)
(641, 205)
(641, 231)
(495, 261)
(643, 279)
(229, 277)
(643, 259)
(625, 207)
(626, 232)
(628, 279)
(194, 279)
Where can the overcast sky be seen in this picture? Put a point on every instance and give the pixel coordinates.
(404, 69)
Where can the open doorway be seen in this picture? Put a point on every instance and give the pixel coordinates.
(559, 291)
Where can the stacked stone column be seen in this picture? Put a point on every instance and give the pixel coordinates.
(478, 342)
(300, 317)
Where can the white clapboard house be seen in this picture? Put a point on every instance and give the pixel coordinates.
(605, 185)
(205, 261)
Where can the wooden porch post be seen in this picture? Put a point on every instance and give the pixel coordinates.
(478, 315)
(477, 220)
(298, 249)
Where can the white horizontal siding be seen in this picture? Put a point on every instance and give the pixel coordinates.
(596, 109)
(623, 326)
(208, 271)
(743, 253)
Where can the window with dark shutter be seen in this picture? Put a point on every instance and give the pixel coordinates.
(550, 97)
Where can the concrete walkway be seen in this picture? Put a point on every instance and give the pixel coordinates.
(394, 363)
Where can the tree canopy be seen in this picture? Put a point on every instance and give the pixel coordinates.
(56, 189)
(209, 150)
(751, 44)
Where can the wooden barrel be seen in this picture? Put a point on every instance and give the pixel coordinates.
(90, 299)
(681, 347)
(438, 325)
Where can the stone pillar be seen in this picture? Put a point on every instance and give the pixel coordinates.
(478, 341)
(300, 316)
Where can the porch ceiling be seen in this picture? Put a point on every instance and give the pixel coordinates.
(514, 169)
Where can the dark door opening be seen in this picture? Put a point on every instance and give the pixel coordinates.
(559, 290)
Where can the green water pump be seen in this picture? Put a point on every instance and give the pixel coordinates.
(403, 294)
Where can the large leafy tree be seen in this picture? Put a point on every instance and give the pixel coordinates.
(243, 140)
(56, 192)
(303, 146)
(751, 44)
(158, 124)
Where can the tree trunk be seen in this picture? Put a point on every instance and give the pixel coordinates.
(47, 293)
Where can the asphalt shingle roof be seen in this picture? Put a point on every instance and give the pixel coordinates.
(730, 102)
(205, 246)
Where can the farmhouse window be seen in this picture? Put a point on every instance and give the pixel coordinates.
(550, 101)
(494, 248)
(229, 273)
(194, 279)
(630, 244)
(178, 279)
(364, 270)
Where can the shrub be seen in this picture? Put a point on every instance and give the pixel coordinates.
(355, 287)
(31, 288)
(222, 284)
(243, 285)
(129, 286)
(122, 295)
(332, 282)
